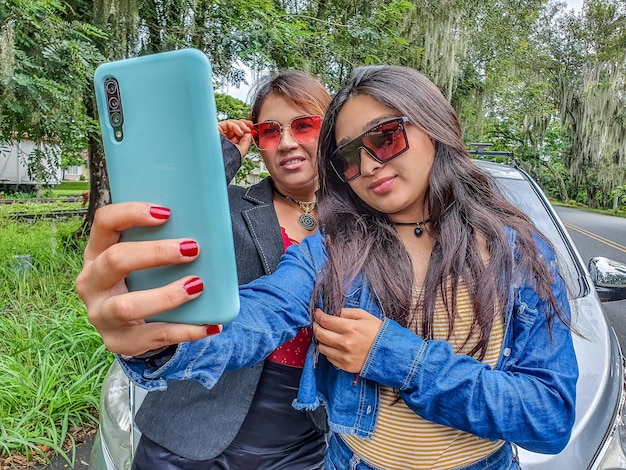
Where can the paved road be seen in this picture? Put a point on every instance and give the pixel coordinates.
(600, 235)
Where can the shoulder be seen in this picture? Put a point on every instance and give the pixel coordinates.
(543, 246)
(258, 194)
(314, 246)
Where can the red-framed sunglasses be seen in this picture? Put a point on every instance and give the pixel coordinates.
(305, 129)
(383, 142)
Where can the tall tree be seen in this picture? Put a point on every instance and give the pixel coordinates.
(45, 61)
(137, 27)
(585, 65)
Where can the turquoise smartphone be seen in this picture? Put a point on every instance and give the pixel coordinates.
(159, 129)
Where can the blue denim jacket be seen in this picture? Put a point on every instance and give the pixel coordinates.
(528, 399)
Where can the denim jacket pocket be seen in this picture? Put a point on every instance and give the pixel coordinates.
(524, 315)
(353, 298)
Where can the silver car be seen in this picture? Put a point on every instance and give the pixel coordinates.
(599, 437)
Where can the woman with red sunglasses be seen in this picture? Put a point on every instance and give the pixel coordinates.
(442, 323)
(247, 420)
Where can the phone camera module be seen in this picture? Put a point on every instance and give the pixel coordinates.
(114, 107)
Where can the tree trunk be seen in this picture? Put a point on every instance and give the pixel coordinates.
(592, 200)
(560, 183)
(99, 193)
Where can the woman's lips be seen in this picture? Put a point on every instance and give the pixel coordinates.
(382, 186)
(292, 163)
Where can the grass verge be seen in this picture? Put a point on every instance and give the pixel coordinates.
(53, 361)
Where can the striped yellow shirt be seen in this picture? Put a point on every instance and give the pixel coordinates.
(403, 440)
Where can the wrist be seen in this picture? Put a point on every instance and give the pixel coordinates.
(153, 354)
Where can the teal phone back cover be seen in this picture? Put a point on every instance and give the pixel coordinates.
(171, 156)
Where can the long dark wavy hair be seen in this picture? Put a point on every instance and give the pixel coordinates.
(462, 202)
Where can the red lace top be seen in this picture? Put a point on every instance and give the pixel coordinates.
(293, 352)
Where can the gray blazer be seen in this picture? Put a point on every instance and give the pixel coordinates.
(186, 418)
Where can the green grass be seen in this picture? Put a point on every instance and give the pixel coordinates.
(63, 189)
(620, 212)
(53, 361)
(70, 188)
(73, 186)
(26, 206)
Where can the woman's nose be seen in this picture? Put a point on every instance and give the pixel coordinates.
(287, 140)
(368, 164)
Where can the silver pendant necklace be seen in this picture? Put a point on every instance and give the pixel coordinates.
(306, 220)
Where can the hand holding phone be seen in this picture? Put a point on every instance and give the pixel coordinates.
(160, 135)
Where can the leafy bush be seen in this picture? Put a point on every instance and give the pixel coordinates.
(620, 194)
(46, 193)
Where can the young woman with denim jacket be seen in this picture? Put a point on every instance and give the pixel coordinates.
(441, 321)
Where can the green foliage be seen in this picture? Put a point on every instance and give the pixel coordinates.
(231, 108)
(18, 195)
(620, 194)
(46, 193)
(50, 65)
(53, 360)
(584, 65)
(248, 165)
(26, 205)
(334, 37)
(72, 186)
(525, 76)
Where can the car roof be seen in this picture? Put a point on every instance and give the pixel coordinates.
(500, 170)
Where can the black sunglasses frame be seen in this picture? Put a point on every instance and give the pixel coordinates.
(338, 157)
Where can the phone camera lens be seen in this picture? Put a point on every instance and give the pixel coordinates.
(116, 119)
(111, 86)
(114, 103)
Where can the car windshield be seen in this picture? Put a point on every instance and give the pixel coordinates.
(524, 195)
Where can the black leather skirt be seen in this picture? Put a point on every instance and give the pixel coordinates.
(274, 436)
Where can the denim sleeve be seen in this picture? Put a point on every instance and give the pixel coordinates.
(529, 399)
(272, 310)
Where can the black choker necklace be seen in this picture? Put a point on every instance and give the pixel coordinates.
(419, 226)
(306, 220)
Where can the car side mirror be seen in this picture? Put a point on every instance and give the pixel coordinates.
(609, 278)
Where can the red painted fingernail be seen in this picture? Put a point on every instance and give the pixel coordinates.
(160, 212)
(194, 285)
(189, 248)
(212, 330)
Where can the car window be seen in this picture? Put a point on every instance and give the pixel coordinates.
(522, 194)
